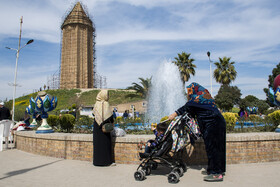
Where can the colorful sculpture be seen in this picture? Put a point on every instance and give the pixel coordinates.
(42, 104)
(274, 95)
(33, 113)
(252, 110)
(276, 82)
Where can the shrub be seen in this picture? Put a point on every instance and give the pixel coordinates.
(53, 121)
(137, 120)
(274, 118)
(119, 119)
(84, 124)
(255, 118)
(74, 106)
(67, 122)
(235, 110)
(164, 118)
(231, 119)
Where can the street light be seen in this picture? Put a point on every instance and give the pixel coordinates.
(208, 54)
(17, 56)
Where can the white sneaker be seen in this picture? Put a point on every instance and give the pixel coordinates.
(113, 164)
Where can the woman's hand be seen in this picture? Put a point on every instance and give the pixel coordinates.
(172, 116)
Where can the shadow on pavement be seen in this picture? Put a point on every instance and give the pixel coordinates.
(19, 172)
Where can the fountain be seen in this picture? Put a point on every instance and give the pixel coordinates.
(166, 92)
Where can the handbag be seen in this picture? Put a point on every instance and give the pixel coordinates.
(107, 127)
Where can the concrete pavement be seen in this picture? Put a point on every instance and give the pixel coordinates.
(22, 169)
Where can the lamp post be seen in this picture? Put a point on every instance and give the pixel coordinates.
(208, 54)
(17, 56)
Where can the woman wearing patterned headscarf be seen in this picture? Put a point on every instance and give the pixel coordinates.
(102, 144)
(212, 125)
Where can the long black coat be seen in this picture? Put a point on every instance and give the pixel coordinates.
(213, 128)
(102, 145)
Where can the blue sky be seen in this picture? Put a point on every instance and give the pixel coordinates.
(135, 37)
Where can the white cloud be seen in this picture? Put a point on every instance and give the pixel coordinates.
(247, 31)
(122, 75)
(45, 23)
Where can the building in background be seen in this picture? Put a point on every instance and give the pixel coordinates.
(77, 68)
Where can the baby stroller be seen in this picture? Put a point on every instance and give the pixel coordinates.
(169, 151)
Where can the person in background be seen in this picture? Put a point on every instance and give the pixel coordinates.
(241, 112)
(213, 128)
(102, 143)
(4, 112)
(26, 119)
(114, 114)
(125, 115)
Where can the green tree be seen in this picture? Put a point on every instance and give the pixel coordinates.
(227, 97)
(185, 65)
(275, 72)
(142, 89)
(252, 101)
(225, 71)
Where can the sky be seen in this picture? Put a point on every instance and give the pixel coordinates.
(134, 37)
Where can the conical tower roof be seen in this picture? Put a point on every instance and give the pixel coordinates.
(77, 16)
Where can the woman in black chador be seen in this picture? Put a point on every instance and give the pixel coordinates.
(212, 125)
(102, 143)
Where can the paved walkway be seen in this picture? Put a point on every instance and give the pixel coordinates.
(18, 168)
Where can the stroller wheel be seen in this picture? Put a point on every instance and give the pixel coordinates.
(179, 170)
(183, 166)
(139, 175)
(173, 177)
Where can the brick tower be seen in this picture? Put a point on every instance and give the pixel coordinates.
(77, 51)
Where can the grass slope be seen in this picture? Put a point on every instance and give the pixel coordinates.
(66, 98)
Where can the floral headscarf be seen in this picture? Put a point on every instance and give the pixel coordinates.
(198, 95)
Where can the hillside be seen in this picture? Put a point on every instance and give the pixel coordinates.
(66, 98)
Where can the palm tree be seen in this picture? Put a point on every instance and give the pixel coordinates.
(185, 65)
(225, 72)
(142, 89)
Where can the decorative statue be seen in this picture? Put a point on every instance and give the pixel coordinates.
(42, 104)
(274, 95)
(32, 112)
(252, 110)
